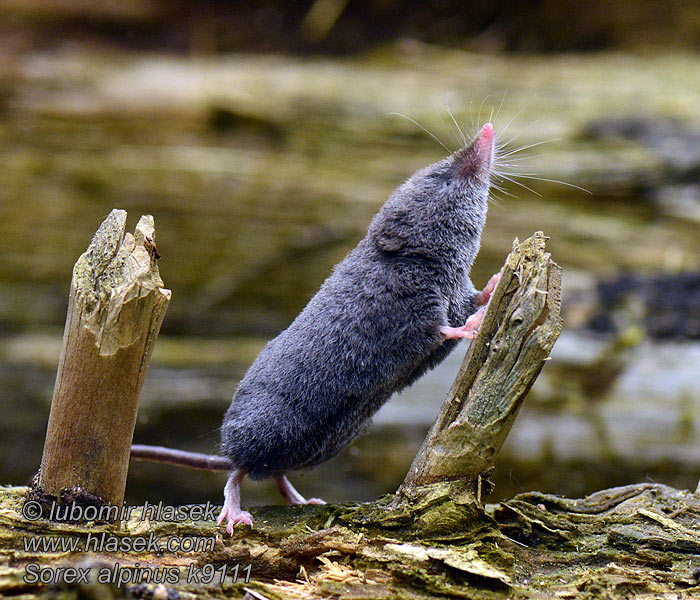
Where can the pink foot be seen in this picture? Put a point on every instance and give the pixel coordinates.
(473, 324)
(232, 503)
(234, 518)
(468, 330)
(290, 494)
(483, 297)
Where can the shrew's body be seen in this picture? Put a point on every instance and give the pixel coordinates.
(392, 309)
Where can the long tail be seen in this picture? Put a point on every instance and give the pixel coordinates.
(193, 460)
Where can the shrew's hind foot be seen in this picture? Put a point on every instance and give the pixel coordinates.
(290, 494)
(232, 503)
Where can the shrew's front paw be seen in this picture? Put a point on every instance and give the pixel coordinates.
(468, 330)
(483, 297)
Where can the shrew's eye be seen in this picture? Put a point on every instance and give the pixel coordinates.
(440, 177)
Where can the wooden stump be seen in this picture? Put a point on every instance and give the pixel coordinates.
(116, 306)
(518, 332)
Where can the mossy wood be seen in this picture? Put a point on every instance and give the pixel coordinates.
(115, 309)
(637, 541)
(518, 332)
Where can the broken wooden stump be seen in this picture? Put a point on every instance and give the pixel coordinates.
(517, 334)
(116, 305)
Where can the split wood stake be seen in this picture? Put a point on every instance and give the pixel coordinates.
(116, 306)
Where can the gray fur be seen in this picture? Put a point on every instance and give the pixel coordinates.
(372, 328)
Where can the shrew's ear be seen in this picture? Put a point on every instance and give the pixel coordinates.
(390, 232)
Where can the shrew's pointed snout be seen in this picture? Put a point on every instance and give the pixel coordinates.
(485, 142)
(477, 158)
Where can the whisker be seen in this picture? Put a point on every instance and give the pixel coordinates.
(529, 146)
(449, 112)
(511, 140)
(522, 185)
(517, 159)
(439, 113)
(502, 190)
(430, 133)
(480, 107)
(578, 187)
(500, 106)
(515, 116)
(497, 169)
(496, 201)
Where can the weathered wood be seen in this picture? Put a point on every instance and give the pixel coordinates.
(639, 541)
(518, 332)
(116, 306)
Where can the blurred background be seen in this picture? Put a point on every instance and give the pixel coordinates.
(261, 137)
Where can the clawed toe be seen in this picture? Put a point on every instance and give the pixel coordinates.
(291, 495)
(242, 517)
(456, 333)
(235, 518)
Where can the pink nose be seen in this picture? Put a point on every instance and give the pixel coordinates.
(486, 144)
(478, 157)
